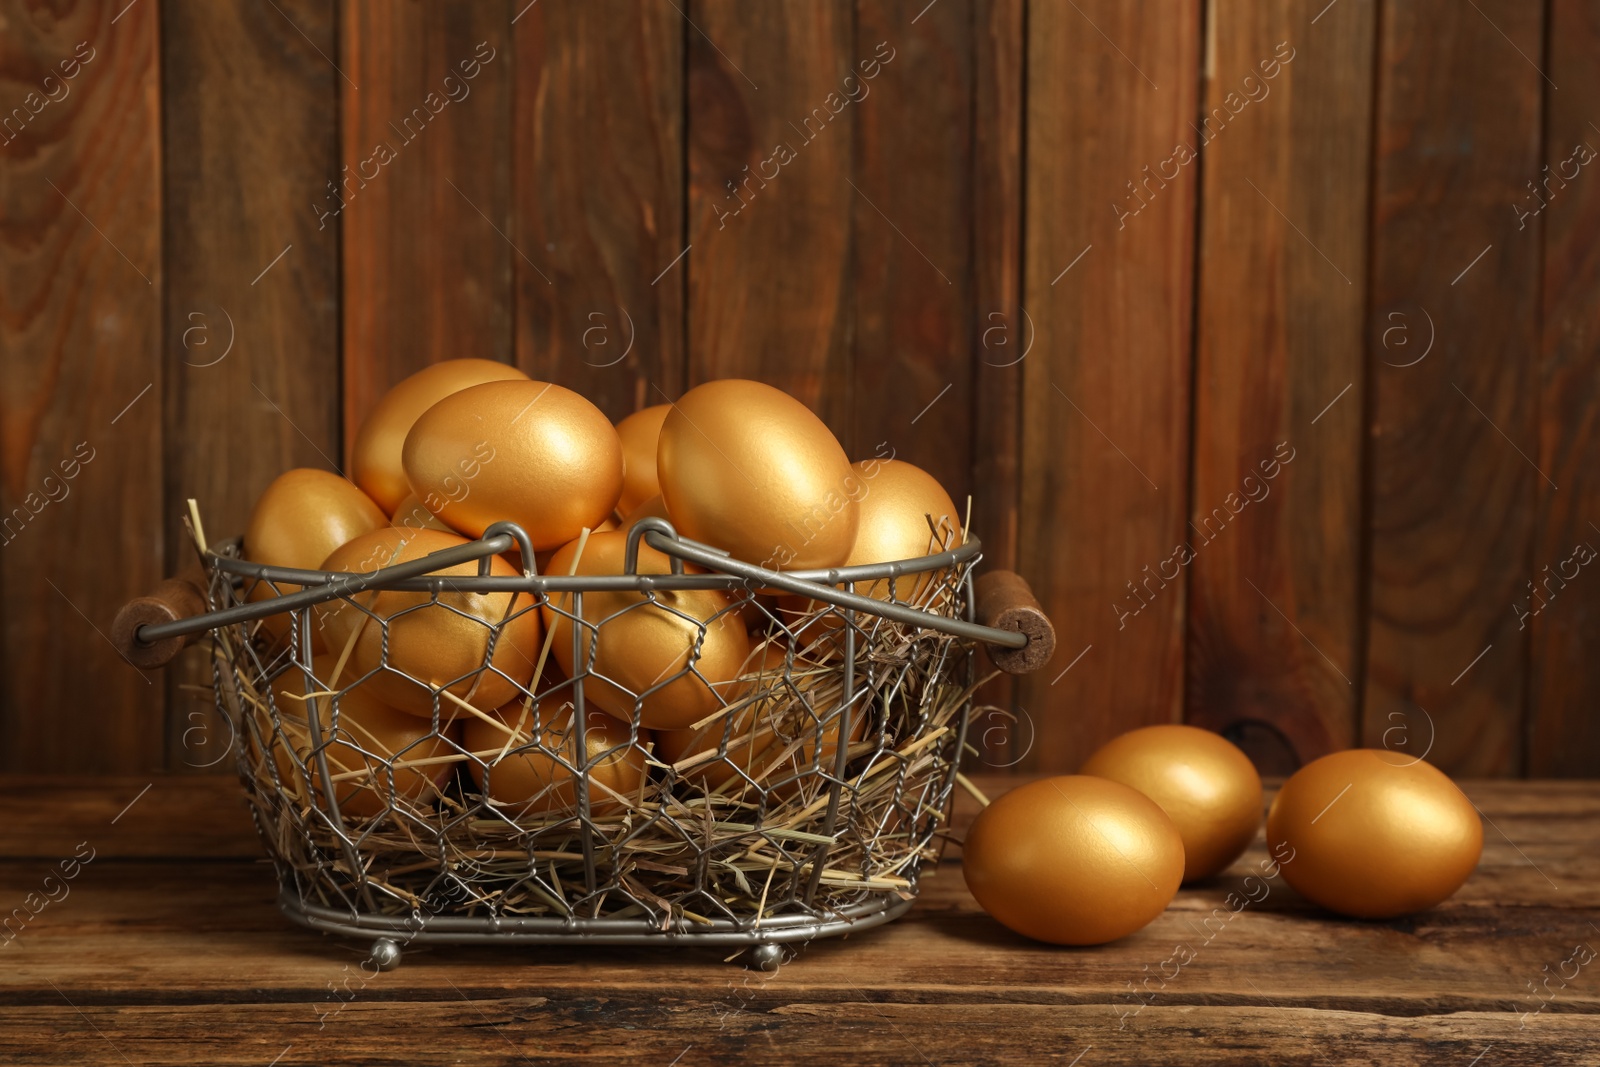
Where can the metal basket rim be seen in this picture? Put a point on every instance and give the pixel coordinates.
(557, 583)
(834, 586)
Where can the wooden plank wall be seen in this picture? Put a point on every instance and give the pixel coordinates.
(423, 190)
(1453, 481)
(82, 362)
(1274, 618)
(1108, 280)
(1262, 334)
(1563, 735)
(593, 307)
(252, 311)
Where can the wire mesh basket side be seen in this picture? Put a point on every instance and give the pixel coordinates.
(829, 769)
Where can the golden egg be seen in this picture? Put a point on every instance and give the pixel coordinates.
(769, 736)
(1073, 860)
(384, 751)
(1373, 834)
(532, 780)
(409, 514)
(644, 653)
(1209, 789)
(304, 515)
(297, 522)
(526, 452)
(750, 469)
(639, 433)
(441, 644)
(905, 513)
(375, 455)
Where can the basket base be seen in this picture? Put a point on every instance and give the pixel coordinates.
(403, 930)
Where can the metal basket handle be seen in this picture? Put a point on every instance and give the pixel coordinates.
(174, 600)
(150, 631)
(1005, 602)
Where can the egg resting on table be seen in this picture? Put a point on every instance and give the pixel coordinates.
(1209, 789)
(1374, 833)
(1073, 860)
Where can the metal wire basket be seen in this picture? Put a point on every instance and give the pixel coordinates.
(803, 804)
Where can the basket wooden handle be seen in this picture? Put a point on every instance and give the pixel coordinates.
(174, 599)
(1006, 603)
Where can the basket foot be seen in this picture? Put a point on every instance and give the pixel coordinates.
(766, 957)
(386, 954)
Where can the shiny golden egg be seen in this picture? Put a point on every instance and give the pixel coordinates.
(376, 754)
(515, 757)
(375, 454)
(431, 645)
(1374, 834)
(905, 513)
(526, 452)
(304, 515)
(297, 522)
(644, 650)
(1073, 860)
(1209, 789)
(639, 433)
(750, 469)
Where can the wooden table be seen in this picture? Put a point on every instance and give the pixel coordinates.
(167, 948)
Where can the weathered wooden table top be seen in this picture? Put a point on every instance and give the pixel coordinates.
(167, 948)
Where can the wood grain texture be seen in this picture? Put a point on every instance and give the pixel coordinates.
(158, 816)
(80, 382)
(770, 203)
(176, 956)
(1105, 429)
(426, 109)
(1275, 525)
(250, 105)
(1001, 332)
(522, 1026)
(598, 138)
(1451, 478)
(1564, 674)
(912, 255)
